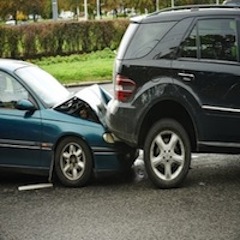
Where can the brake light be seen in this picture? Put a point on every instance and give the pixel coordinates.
(124, 88)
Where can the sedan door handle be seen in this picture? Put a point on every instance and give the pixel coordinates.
(188, 77)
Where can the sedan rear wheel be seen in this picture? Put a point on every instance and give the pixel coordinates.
(73, 162)
(167, 154)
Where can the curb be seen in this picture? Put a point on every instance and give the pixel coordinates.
(82, 84)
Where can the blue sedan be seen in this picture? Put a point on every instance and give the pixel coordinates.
(45, 129)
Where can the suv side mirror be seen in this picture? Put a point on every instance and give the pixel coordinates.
(25, 105)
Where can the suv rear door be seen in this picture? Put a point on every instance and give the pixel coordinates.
(208, 65)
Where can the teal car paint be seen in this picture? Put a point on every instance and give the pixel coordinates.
(44, 127)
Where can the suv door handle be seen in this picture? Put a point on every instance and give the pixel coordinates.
(186, 76)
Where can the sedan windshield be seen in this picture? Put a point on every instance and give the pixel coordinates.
(45, 86)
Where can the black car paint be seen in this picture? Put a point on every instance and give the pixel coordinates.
(210, 97)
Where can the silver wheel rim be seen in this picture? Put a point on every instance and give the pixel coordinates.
(73, 161)
(167, 155)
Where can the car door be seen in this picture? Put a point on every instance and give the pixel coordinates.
(20, 130)
(208, 66)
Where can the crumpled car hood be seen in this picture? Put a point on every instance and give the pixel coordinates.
(91, 101)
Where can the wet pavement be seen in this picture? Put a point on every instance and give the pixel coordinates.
(206, 207)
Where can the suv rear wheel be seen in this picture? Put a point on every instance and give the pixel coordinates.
(167, 153)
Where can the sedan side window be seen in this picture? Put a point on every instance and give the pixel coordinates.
(11, 91)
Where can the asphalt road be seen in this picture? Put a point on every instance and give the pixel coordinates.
(107, 86)
(205, 207)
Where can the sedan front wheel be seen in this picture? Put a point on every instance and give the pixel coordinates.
(73, 162)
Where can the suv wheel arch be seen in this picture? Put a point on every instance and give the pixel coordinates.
(171, 110)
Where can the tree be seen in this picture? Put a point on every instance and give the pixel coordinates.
(44, 7)
(12, 7)
(33, 7)
(9, 8)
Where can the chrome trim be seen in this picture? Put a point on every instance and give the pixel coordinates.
(104, 151)
(7, 143)
(20, 146)
(222, 109)
(219, 144)
(186, 76)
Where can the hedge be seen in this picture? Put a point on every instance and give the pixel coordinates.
(33, 41)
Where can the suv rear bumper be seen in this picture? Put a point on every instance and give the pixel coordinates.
(121, 121)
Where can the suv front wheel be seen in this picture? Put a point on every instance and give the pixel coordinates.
(167, 153)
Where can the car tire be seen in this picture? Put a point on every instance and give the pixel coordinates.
(73, 162)
(167, 154)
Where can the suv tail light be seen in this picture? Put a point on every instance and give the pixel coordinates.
(124, 88)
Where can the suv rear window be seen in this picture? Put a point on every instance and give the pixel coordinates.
(217, 40)
(146, 37)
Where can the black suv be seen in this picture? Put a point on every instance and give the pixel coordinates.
(177, 88)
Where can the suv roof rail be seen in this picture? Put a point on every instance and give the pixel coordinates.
(194, 7)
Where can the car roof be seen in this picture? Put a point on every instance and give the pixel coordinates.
(182, 12)
(12, 65)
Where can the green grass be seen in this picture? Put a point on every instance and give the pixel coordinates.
(96, 66)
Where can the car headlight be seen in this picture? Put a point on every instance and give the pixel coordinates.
(110, 138)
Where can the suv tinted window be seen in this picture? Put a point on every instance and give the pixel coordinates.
(149, 36)
(217, 40)
(189, 47)
(132, 28)
(166, 48)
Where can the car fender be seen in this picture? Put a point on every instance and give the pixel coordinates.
(165, 91)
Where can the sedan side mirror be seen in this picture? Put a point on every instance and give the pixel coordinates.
(25, 105)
